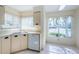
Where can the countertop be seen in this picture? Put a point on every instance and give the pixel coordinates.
(10, 32)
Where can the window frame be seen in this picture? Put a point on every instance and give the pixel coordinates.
(4, 26)
(58, 29)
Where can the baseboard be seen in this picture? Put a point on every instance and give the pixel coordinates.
(33, 50)
(17, 51)
(24, 50)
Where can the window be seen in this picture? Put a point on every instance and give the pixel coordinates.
(59, 26)
(16, 22)
(27, 22)
(11, 21)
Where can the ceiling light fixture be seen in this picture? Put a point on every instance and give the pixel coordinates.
(62, 7)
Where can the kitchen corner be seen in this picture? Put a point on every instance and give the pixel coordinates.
(14, 38)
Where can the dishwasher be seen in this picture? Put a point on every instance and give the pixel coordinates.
(34, 42)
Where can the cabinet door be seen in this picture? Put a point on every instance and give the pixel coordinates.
(23, 41)
(37, 17)
(15, 43)
(0, 45)
(6, 45)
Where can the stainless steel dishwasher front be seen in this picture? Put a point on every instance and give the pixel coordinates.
(34, 42)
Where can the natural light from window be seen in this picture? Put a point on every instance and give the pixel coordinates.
(27, 22)
(59, 26)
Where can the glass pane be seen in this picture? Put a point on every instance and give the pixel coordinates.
(62, 31)
(27, 22)
(11, 21)
(16, 22)
(52, 27)
(68, 26)
(8, 19)
(65, 26)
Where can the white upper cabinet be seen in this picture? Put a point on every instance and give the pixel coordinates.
(37, 15)
(2, 14)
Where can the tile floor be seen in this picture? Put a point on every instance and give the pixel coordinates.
(53, 49)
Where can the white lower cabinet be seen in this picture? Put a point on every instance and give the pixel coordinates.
(15, 43)
(18, 42)
(5, 45)
(23, 41)
(0, 46)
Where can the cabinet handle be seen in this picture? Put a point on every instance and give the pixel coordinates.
(24, 35)
(16, 36)
(6, 37)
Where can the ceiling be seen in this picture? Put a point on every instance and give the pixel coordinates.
(48, 8)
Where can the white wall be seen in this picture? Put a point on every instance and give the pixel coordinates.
(76, 15)
(26, 13)
(11, 11)
(65, 41)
